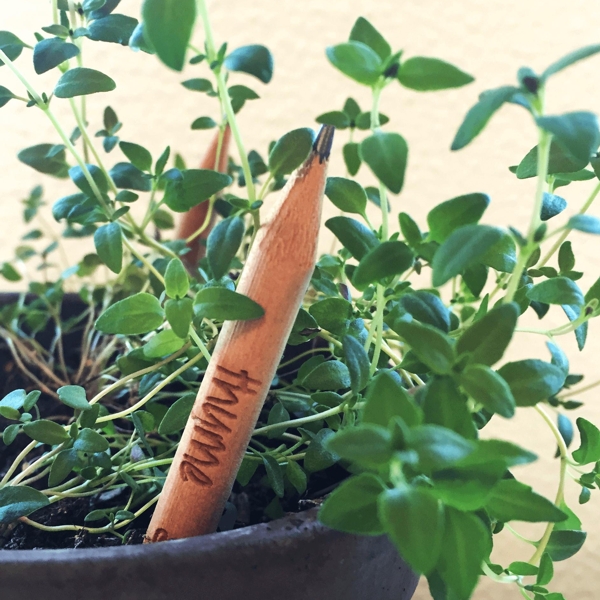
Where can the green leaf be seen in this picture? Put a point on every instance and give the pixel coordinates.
(81, 181)
(426, 308)
(9, 435)
(560, 162)
(464, 248)
(278, 414)
(89, 440)
(357, 61)
(81, 81)
(163, 343)
(108, 241)
(331, 375)
(46, 432)
(465, 545)
(254, 59)
(318, 456)
(446, 406)
(346, 194)
(532, 380)
(198, 84)
(552, 205)
(9, 272)
(430, 345)
(223, 243)
(116, 29)
(512, 500)
(127, 176)
(177, 416)
(414, 520)
(410, 230)
(135, 315)
(386, 399)
(337, 118)
(357, 361)
(545, 571)
(385, 260)
(62, 465)
(5, 96)
(363, 31)
(576, 132)
(365, 444)
(19, 501)
(564, 544)
(488, 388)
(479, 115)
(589, 449)
(448, 216)
(585, 223)
(15, 399)
(429, 74)
(50, 53)
(438, 448)
(11, 45)
(358, 239)
(137, 155)
(42, 158)
(168, 26)
(569, 59)
(296, 476)
(331, 314)
(96, 13)
(387, 155)
(225, 305)
(487, 339)
(274, 474)
(467, 487)
(352, 158)
(177, 283)
(352, 507)
(74, 396)
(204, 123)
(195, 186)
(558, 290)
(290, 151)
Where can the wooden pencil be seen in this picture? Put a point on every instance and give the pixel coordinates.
(193, 219)
(245, 358)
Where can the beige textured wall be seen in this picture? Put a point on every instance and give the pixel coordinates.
(489, 39)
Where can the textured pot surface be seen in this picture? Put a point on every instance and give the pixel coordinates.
(294, 558)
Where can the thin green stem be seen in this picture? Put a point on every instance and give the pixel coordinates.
(526, 251)
(297, 422)
(118, 384)
(560, 494)
(226, 100)
(576, 392)
(376, 329)
(150, 395)
(200, 344)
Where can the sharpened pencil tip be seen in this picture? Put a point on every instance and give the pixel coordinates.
(323, 143)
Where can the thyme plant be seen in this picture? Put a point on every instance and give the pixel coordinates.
(393, 383)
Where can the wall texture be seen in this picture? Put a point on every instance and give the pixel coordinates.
(489, 39)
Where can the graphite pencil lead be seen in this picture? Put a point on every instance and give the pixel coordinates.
(323, 142)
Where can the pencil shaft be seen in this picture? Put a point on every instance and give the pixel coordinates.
(276, 275)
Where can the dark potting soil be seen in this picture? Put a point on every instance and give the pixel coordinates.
(247, 505)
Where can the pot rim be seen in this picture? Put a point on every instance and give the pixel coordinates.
(293, 525)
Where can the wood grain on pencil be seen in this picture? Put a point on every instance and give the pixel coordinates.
(193, 219)
(245, 358)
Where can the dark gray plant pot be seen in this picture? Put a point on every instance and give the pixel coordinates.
(294, 558)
